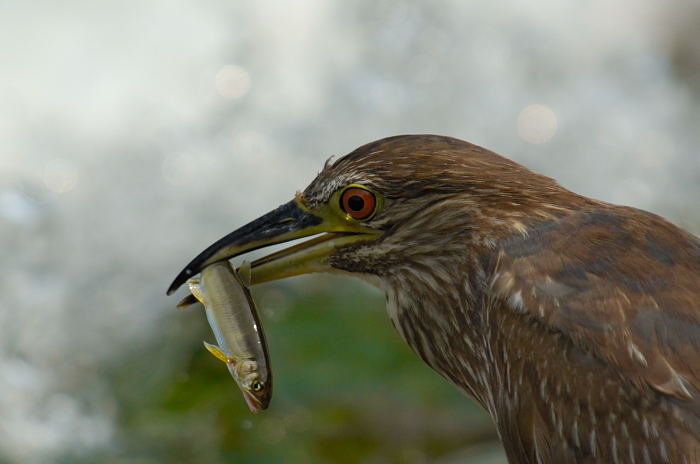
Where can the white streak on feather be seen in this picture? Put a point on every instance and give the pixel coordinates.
(613, 449)
(520, 227)
(663, 451)
(635, 353)
(516, 302)
(592, 442)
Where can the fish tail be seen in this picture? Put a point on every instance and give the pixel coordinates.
(187, 301)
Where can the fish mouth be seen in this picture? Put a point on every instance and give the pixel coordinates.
(290, 221)
(253, 404)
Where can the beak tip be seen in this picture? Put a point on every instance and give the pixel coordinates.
(277, 226)
(179, 280)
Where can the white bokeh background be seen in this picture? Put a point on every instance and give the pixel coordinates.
(133, 134)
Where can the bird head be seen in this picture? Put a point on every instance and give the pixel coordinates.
(398, 203)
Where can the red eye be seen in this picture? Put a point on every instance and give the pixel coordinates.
(358, 203)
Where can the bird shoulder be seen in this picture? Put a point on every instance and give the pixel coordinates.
(620, 283)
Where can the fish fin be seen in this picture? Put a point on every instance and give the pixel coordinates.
(189, 300)
(244, 272)
(196, 289)
(218, 354)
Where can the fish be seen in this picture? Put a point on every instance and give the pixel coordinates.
(234, 320)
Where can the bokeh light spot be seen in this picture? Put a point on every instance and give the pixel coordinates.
(246, 424)
(274, 305)
(232, 81)
(537, 124)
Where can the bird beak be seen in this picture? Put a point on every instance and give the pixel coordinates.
(290, 221)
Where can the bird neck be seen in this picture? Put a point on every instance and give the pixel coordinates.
(435, 313)
(436, 296)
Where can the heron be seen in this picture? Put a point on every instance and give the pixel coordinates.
(573, 322)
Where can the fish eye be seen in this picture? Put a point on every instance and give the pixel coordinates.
(256, 386)
(358, 202)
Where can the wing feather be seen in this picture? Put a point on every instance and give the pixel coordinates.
(621, 283)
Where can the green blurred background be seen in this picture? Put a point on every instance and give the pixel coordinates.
(346, 390)
(134, 134)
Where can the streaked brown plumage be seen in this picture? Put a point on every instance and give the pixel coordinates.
(574, 322)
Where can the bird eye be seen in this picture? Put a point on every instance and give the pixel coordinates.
(256, 386)
(358, 203)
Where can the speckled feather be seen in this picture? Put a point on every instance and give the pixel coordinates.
(574, 322)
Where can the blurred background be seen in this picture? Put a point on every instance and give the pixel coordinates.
(134, 134)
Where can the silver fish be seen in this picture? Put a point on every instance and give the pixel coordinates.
(234, 320)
